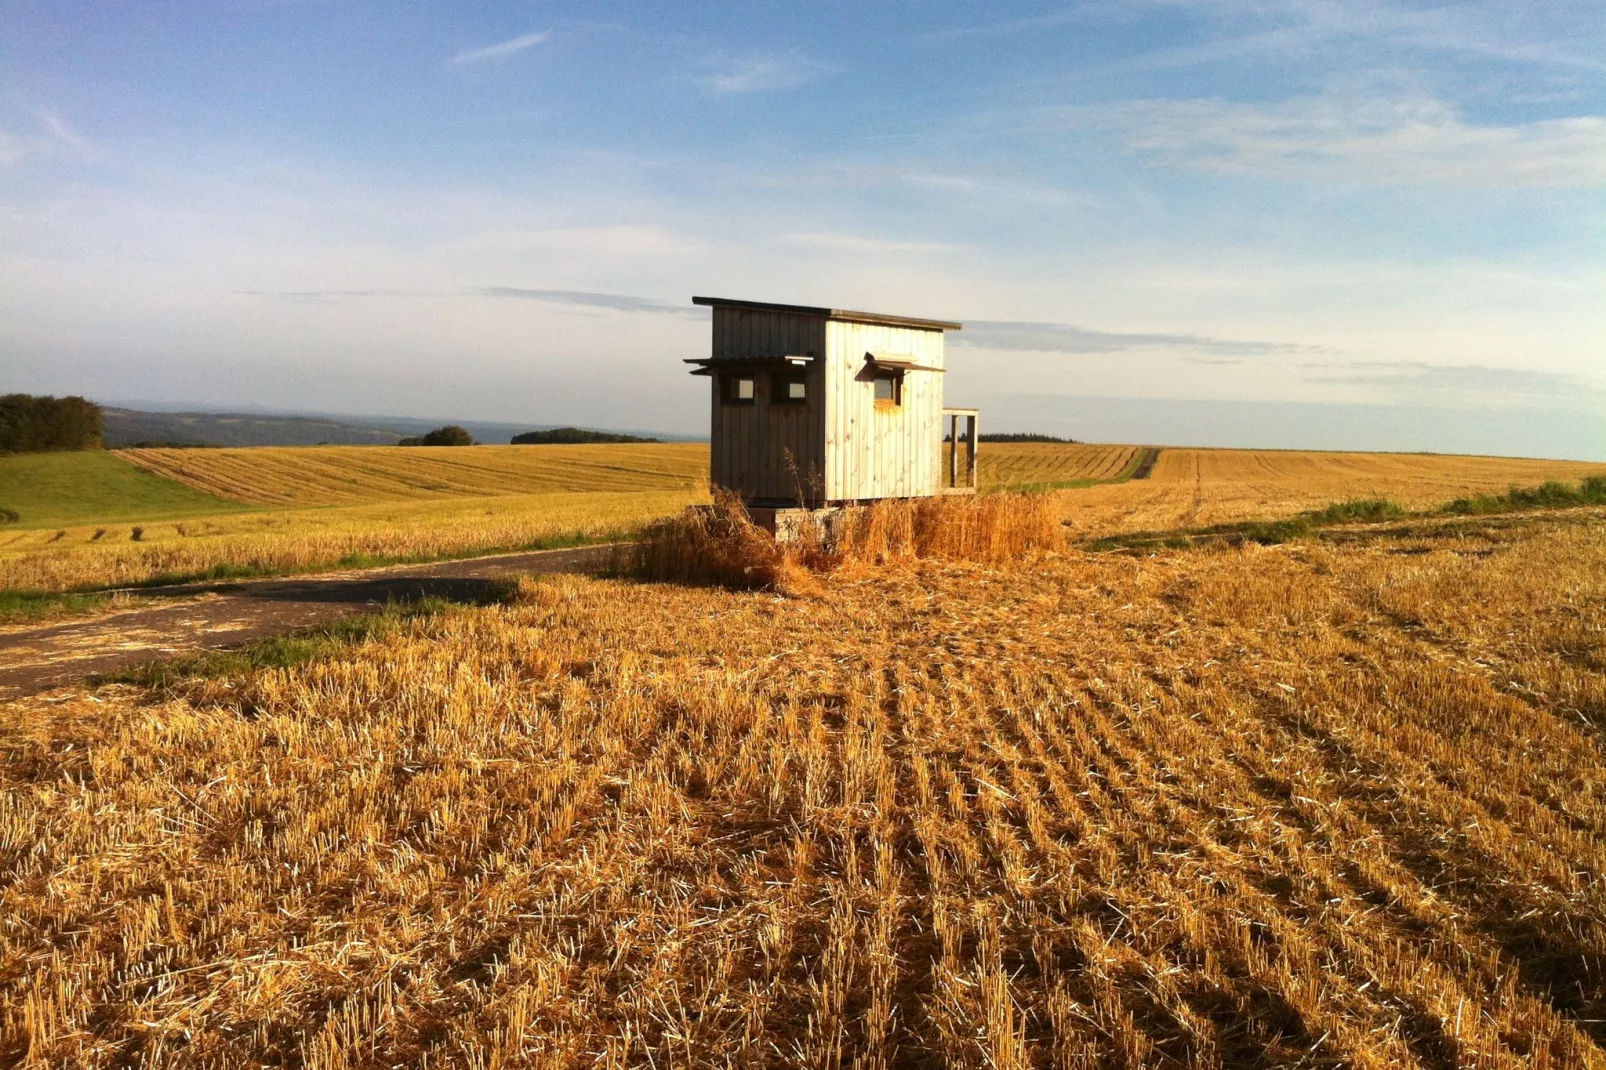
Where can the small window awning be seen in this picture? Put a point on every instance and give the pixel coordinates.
(898, 362)
(709, 365)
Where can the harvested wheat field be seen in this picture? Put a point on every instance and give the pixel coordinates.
(410, 509)
(1046, 465)
(1194, 487)
(357, 475)
(304, 540)
(1320, 804)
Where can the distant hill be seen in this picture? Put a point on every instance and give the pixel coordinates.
(136, 422)
(129, 427)
(573, 435)
(495, 432)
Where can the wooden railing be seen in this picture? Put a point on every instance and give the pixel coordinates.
(951, 418)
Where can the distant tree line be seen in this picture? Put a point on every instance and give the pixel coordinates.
(1019, 436)
(35, 424)
(450, 435)
(572, 435)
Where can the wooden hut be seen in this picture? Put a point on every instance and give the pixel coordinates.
(824, 406)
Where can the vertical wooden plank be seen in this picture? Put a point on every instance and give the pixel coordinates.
(717, 427)
(975, 436)
(953, 451)
(773, 432)
(755, 472)
(741, 473)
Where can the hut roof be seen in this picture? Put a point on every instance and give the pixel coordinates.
(843, 314)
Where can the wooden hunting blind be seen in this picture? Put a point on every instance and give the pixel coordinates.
(825, 406)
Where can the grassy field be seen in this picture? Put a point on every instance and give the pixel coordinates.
(92, 486)
(1306, 805)
(358, 475)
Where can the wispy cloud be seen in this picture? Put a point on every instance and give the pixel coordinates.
(607, 241)
(1467, 383)
(51, 135)
(860, 243)
(328, 297)
(1369, 139)
(583, 299)
(760, 73)
(502, 48)
(1305, 26)
(1006, 26)
(1063, 338)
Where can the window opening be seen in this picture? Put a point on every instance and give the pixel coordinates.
(888, 390)
(740, 389)
(788, 388)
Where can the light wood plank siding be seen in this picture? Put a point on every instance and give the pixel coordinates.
(881, 453)
(766, 451)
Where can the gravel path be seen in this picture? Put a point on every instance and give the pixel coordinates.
(182, 619)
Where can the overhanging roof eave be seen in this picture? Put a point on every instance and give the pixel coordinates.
(841, 314)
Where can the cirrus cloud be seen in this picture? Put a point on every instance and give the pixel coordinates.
(1359, 137)
(501, 49)
(760, 73)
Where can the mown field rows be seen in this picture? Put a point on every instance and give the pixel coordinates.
(1007, 465)
(356, 475)
(308, 539)
(1193, 487)
(1303, 805)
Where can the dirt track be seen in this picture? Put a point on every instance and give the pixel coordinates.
(204, 616)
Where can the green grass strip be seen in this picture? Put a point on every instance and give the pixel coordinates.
(1551, 495)
(299, 647)
(1139, 467)
(26, 607)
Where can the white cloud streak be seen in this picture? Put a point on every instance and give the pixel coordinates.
(501, 49)
(1467, 29)
(1467, 383)
(584, 299)
(1365, 139)
(760, 73)
(1024, 336)
(52, 136)
(859, 243)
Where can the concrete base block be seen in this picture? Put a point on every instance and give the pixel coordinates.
(793, 524)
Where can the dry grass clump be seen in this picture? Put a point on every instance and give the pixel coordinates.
(1326, 806)
(992, 529)
(717, 543)
(720, 543)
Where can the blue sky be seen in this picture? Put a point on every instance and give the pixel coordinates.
(502, 213)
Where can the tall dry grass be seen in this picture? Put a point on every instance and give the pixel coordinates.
(720, 543)
(992, 529)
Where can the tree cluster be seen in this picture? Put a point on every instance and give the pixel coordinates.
(450, 435)
(573, 435)
(35, 424)
(1019, 436)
